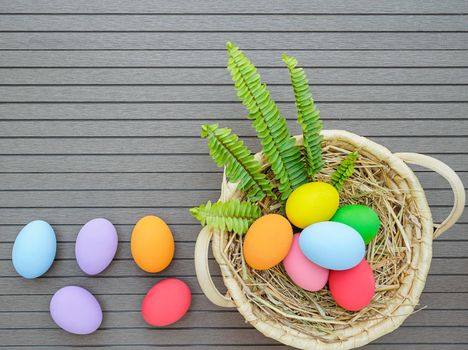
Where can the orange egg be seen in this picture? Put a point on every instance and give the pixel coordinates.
(267, 241)
(152, 244)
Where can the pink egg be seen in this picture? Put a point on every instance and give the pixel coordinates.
(354, 288)
(166, 303)
(302, 271)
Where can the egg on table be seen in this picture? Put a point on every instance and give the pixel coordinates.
(360, 217)
(96, 245)
(34, 249)
(152, 244)
(76, 310)
(303, 272)
(332, 245)
(312, 202)
(352, 289)
(267, 241)
(166, 302)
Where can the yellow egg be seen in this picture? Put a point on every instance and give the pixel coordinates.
(267, 241)
(152, 244)
(312, 202)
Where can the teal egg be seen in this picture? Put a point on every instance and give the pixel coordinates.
(363, 219)
(34, 249)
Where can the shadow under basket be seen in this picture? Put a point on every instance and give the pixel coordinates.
(400, 255)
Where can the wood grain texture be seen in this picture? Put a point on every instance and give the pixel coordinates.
(159, 57)
(218, 76)
(217, 40)
(242, 6)
(209, 94)
(220, 111)
(244, 23)
(101, 104)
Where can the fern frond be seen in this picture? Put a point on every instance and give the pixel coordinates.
(227, 150)
(278, 144)
(232, 215)
(344, 170)
(308, 117)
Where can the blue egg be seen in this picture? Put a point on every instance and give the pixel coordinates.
(332, 245)
(34, 249)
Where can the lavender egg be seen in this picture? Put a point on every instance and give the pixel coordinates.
(76, 310)
(96, 245)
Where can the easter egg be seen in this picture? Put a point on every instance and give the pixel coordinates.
(312, 202)
(303, 272)
(363, 219)
(267, 241)
(152, 244)
(76, 310)
(167, 302)
(96, 245)
(352, 289)
(332, 245)
(34, 249)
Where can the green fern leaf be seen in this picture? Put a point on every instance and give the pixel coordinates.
(278, 145)
(344, 170)
(227, 150)
(308, 116)
(232, 215)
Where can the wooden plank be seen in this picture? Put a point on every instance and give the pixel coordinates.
(132, 302)
(67, 233)
(205, 76)
(238, 23)
(184, 250)
(200, 57)
(242, 6)
(276, 346)
(217, 40)
(110, 302)
(221, 111)
(227, 93)
(138, 163)
(457, 335)
(192, 145)
(184, 266)
(182, 232)
(191, 128)
(448, 250)
(118, 199)
(203, 319)
(125, 216)
(139, 198)
(148, 181)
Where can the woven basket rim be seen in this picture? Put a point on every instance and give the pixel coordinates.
(411, 287)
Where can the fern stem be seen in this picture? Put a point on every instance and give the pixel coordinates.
(232, 215)
(278, 145)
(308, 118)
(227, 150)
(344, 170)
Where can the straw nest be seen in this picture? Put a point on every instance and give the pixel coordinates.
(277, 298)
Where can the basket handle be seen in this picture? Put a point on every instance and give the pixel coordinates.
(203, 271)
(445, 171)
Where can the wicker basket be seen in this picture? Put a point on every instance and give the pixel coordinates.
(420, 234)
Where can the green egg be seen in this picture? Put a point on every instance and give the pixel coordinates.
(363, 219)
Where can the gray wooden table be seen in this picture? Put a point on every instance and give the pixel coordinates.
(100, 108)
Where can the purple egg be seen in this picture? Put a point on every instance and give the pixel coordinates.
(96, 245)
(76, 310)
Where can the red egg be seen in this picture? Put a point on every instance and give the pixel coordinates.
(166, 303)
(354, 288)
